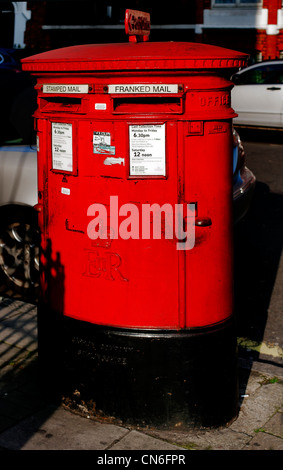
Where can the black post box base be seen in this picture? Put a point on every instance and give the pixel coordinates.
(141, 377)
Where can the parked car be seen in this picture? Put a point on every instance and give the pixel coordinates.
(19, 235)
(8, 60)
(18, 100)
(257, 96)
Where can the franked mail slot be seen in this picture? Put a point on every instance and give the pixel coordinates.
(148, 105)
(62, 104)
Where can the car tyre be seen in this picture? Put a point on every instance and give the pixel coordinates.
(19, 250)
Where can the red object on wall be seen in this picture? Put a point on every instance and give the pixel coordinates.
(91, 100)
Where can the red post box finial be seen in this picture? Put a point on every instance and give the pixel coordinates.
(137, 25)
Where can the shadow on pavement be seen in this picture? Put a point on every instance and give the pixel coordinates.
(20, 393)
(258, 247)
(23, 393)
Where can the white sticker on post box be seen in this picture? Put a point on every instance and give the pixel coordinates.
(102, 143)
(147, 150)
(62, 146)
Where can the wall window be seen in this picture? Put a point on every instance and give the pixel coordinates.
(235, 2)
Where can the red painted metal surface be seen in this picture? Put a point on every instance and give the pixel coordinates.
(86, 116)
(130, 56)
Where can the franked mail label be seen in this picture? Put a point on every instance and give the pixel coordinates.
(143, 88)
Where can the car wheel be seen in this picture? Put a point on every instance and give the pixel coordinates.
(19, 250)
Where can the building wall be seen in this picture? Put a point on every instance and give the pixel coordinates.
(255, 28)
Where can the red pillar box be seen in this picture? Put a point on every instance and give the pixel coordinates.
(135, 187)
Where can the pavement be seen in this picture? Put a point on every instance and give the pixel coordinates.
(29, 422)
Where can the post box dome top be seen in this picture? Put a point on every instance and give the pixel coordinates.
(134, 56)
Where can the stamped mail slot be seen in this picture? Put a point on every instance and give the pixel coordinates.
(63, 104)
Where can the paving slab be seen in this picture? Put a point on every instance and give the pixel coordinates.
(57, 429)
(265, 441)
(259, 407)
(136, 440)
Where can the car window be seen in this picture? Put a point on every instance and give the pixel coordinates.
(267, 74)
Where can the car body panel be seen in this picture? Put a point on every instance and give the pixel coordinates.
(257, 96)
(244, 180)
(18, 100)
(8, 60)
(18, 175)
(259, 107)
(243, 191)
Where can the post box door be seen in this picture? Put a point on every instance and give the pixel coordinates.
(133, 282)
(209, 265)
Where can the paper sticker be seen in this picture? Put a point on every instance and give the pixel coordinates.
(62, 146)
(104, 149)
(101, 138)
(114, 161)
(102, 143)
(66, 191)
(147, 150)
(100, 106)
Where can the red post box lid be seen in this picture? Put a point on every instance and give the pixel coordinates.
(135, 56)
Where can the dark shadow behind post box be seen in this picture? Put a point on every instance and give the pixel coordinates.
(137, 329)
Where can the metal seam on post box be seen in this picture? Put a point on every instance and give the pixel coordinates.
(128, 64)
